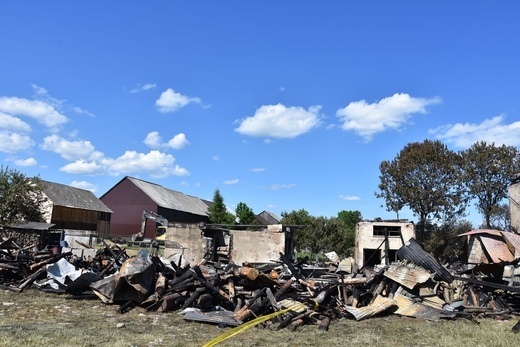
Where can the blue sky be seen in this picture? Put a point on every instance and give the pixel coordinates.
(281, 105)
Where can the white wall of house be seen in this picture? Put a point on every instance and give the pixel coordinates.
(370, 237)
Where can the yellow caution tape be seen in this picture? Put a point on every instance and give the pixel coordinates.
(250, 324)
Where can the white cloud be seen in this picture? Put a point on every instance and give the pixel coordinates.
(13, 123)
(42, 112)
(79, 110)
(278, 186)
(82, 167)
(278, 121)
(233, 181)
(26, 162)
(215, 158)
(349, 198)
(154, 140)
(156, 163)
(70, 150)
(171, 101)
(463, 135)
(257, 169)
(84, 185)
(12, 142)
(39, 90)
(178, 141)
(390, 113)
(144, 87)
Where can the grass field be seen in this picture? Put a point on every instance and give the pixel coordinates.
(35, 318)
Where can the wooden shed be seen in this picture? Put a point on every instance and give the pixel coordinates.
(131, 196)
(75, 209)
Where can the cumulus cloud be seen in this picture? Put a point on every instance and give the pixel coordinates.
(82, 167)
(278, 121)
(494, 130)
(26, 162)
(257, 169)
(41, 111)
(70, 150)
(171, 101)
(390, 113)
(349, 198)
(84, 185)
(13, 123)
(233, 181)
(11, 142)
(156, 163)
(154, 140)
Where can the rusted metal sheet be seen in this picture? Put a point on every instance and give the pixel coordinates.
(514, 241)
(406, 275)
(497, 249)
(410, 308)
(495, 243)
(414, 253)
(379, 304)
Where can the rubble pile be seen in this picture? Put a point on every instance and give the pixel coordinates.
(232, 294)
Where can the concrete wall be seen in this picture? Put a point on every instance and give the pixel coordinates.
(185, 239)
(261, 246)
(365, 238)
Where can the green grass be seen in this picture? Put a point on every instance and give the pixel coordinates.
(34, 318)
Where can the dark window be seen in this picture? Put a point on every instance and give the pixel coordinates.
(393, 230)
(371, 257)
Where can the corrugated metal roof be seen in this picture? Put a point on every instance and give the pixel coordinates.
(67, 196)
(513, 240)
(406, 276)
(497, 249)
(482, 231)
(496, 243)
(380, 304)
(414, 253)
(171, 199)
(410, 308)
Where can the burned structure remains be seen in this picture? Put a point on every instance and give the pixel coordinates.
(378, 241)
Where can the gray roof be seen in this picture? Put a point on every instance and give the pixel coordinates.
(32, 226)
(67, 196)
(171, 199)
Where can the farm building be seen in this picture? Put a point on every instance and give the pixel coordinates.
(131, 196)
(377, 240)
(268, 218)
(74, 209)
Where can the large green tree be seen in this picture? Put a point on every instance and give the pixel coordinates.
(487, 173)
(425, 177)
(218, 213)
(21, 197)
(245, 214)
(350, 218)
(319, 234)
